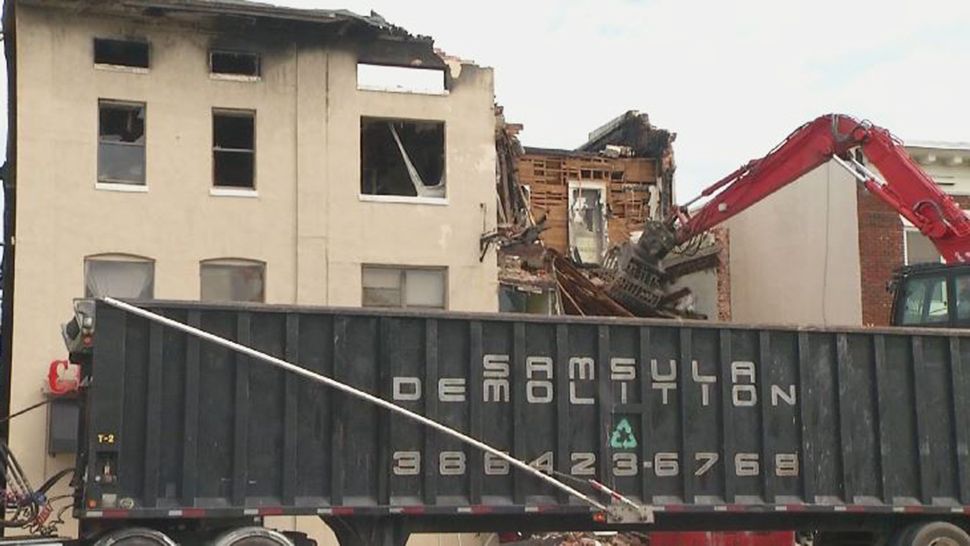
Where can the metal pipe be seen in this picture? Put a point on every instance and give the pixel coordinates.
(343, 387)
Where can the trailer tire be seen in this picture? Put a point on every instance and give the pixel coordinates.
(934, 533)
(252, 536)
(135, 536)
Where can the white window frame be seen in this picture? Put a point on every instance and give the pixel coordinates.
(233, 191)
(909, 228)
(121, 185)
(604, 196)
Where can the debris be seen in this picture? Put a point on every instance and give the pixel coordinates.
(591, 204)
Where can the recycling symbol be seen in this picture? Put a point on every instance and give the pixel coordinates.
(622, 437)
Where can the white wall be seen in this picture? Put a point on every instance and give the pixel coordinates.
(795, 255)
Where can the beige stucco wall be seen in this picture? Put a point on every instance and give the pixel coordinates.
(307, 224)
(795, 255)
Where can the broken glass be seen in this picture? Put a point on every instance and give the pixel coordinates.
(121, 143)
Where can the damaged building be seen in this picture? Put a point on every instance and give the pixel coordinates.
(231, 151)
(566, 216)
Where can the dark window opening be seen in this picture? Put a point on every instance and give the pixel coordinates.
(234, 62)
(121, 142)
(405, 158)
(121, 52)
(234, 149)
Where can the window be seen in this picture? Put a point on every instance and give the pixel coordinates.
(925, 301)
(234, 148)
(233, 280)
(234, 63)
(918, 248)
(962, 289)
(515, 300)
(587, 221)
(401, 79)
(402, 158)
(121, 142)
(403, 287)
(129, 53)
(119, 276)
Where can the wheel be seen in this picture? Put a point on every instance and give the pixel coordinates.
(934, 533)
(252, 536)
(135, 536)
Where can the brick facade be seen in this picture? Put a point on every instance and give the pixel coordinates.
(723, 238)
(881, 253)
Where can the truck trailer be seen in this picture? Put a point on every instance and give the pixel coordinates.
(189, 433)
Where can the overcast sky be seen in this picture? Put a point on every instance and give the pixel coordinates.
(731, 78)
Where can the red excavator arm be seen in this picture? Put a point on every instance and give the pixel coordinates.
(639, 279)
(905, 188)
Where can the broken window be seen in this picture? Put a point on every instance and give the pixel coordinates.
(587, 222)
(119, 276)
(233, 280)
(402, 79)
(234, 148)
(403, 287)
(121, 142)
(403, 158)
(130, 53)
(236, 63)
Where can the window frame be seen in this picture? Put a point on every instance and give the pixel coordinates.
(603, 189)
(232, 76)
(233, 262)
(907, 230)
(117, 257)
(402, 285)
(226, 190)
(118, 184)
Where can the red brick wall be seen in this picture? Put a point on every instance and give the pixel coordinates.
(880, 253)
(722, 237)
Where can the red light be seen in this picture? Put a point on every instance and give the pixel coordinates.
(87, 341)
(599, 517)
(92, 503)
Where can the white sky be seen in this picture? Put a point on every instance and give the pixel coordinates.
(731, 78)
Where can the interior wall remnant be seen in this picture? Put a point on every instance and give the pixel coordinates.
(631, 183)
(633, 130)
(587, 222)
(402, 158)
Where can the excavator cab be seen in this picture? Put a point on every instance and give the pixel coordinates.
(933, 295)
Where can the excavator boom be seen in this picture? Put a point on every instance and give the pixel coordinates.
(905, 187)
(640, 280)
